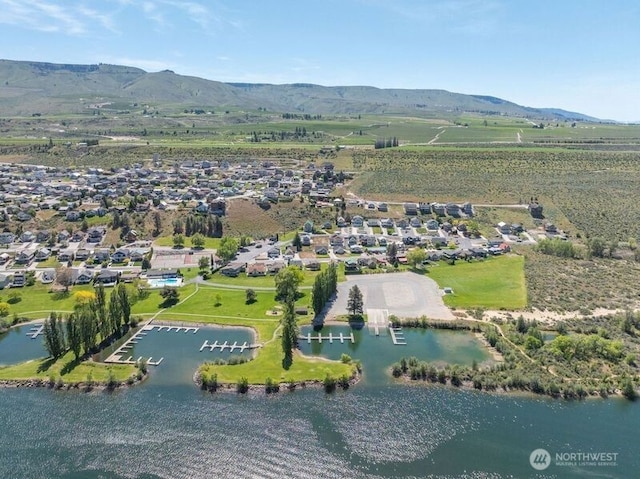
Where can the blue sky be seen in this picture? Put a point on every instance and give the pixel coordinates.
(580, 55)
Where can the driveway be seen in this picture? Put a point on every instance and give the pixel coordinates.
(405, 295)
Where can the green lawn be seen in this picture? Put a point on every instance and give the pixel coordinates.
(268, 364)
(232, 303)
(36, 301)
(496, 283)
(196, 305)
(51, 262)
(209, 243)
(66, 368)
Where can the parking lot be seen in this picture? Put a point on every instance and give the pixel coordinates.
(406, 295)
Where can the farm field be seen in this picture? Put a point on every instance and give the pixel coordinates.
(595, 192)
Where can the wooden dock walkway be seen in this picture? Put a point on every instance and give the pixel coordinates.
(36, 331)
(130, 360)
(117, 356)
(224, 346)
(338, 337)
(177, 329)
(397, 336)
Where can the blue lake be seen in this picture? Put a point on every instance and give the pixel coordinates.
(167, 428)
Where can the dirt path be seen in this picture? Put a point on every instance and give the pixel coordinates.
(435, 138)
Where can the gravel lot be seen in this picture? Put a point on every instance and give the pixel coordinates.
(406, 295)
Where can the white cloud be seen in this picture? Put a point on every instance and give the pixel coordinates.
(41, 15)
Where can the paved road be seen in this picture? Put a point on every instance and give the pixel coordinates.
(406, 295)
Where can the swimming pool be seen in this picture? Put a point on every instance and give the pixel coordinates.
(162, 282)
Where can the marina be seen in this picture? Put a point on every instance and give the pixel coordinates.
(36, 331)
(330, 337)
(397, 336)
(224, 346)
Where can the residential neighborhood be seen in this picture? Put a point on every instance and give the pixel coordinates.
(80, 197)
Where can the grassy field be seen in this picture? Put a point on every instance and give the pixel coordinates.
(593, 193)
(496, 283)
(67, 369)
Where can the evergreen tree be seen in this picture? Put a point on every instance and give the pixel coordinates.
(88, 328)
(100, 308)
(73, 335)
(54, 336)
(124, 302)
(318, 294)
(392, 253)
(297, 242)
(115, 314)
(355, 304)
(289, 333)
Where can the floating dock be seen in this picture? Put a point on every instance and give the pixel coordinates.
(224, 346)
(36, 331)
(130, 360)
(117, 356)
(397, 336)
(177, 329)
(331, 337)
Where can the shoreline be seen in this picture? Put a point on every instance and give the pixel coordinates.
(288, 386)
(468, 386)
(79, 386)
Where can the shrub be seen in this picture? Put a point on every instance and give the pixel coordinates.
(210, 383)
(112, 382)
(329, 384)
(270, 386)
(345, 358)
(242, 386)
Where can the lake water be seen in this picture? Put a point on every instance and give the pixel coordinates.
(16, 346)
(167, 428)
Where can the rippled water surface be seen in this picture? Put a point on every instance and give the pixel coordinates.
(169, 429)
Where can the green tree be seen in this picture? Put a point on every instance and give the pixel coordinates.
(287, 281)
(596, 247)
(289, 333)
(297, 242)
(392, 253)
(125, 302)
(100, 308)
(157, 223)
(318, 294)
(416, 257)
(355, 302)
(54, 336)
(198, 240)
(178, 240)
(228, 248)
(251, 296)
(73, 335)
(88, 327)
(170, 296)
(203, 263)
(629, 390)
(115, 315)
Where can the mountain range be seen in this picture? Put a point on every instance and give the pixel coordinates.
(28, 88)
